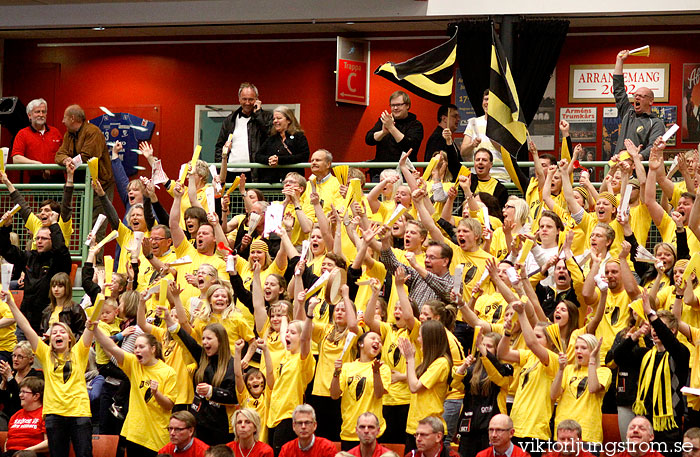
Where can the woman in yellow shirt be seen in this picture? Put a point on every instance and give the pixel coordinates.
(580, 388)
(206, 277)
(66, 403)
(429, 380)
(152, 395)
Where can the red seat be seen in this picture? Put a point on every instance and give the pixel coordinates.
(611, 429)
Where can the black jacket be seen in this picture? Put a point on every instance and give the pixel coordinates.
(39, 268)
(436, 142)
(388, 150)
(294, 149)
(258, 129)
(74, 317)
(211, 414)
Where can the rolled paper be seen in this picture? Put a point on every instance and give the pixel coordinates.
(312, 182)
(624, 155)
(304, 249)
(235, 184)
(429, 169)
(487, 221)
(626, 199)
(463, 171)
(185, 260)
(477, 330)
(641, 52)
(638, 307)
(555, 334)
(109, 269)
(230, 139)
(410, 165)
(398, 212)
(209, 193)
(348, 339)
(101, 218)
(644, 253)
(195, 156)
(457, 279)
(512, 275)
(163, 293)
(484, 275)
(112, 235)
(97, 308)
(94, 166)
(527, 247)
(138, 240)
(691, 267)
(341, 173)
(669, 133)
(366, 282)
(158, 176)
(77, 160)
(230, 263)
(12, 212)
(674, 167)
(107, 112)
(253, 221)
(2, 161)
(214, 174)
(316, 286)
(273, 218)
(354, 194)
(85, 303)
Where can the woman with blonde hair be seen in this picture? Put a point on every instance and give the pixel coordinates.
(246, 428)
(286, 145)
(66, 402)
(12, 376)
(580, 388)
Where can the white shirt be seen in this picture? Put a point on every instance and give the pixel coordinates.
(239, 144)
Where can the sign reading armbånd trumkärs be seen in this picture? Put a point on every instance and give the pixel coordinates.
(594, 83)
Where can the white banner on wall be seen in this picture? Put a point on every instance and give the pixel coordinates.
(594, 83)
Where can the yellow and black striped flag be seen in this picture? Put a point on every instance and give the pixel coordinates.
(429, 75)
(505, 121)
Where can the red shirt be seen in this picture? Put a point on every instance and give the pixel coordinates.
(196, 450)
(648, 454)
(558, 454)
(33, 145)
(26, 429)
(378, 450)
(517, 452)
(259, 449)
(321, 448)
(451, 453)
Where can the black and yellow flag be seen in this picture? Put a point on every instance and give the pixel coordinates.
(505, 121)
(429, 75)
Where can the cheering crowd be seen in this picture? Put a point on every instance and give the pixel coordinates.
(336, 315)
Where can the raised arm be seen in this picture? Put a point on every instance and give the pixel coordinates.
(260, 313)
(371, 310)
(174, 292)
(22, 321)
(529, 334)
(141, 316)
(307, 329)
(176, 231)
(400, 277)
(592, 324)
(107, 344)
(557, 387)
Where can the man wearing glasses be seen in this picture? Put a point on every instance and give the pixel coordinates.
(429, 439)
(306, 444)
(395, 132)
(638, 123)
(182, 441)
(500, 434)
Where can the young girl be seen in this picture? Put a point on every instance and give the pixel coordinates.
(532, 408)
(361, 384)
(152, 396)
(429, 380)
(66, 402)
(484, 382)
(580, 387)
(61, 307)
(213, 381)
(291, 376)
(251, 388)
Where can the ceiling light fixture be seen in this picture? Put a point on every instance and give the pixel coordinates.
(99, 28)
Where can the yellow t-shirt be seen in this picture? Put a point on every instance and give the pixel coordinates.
(8, 339)
(578, 403)
(298, 236)
(394, 296)
(378, 271)
(275, 345)
(179, 359)
(486, 186)
(640, 220)
(399, 393)
(243, 269)
(198, 259)
(292, 376)
(125, 236)
(328, 190)
(328, 353)
(474, 268)
(532, 407)
(491, 308)
(101, 357)
(260, 405)
(146, 421)
(33, 224)
(236, 327)
(617, 313)
(185, 201)
(429, 401)
(457, 353)
(499, 246)
(65, 391)
(581, 239)
(694, 381)
(589, 222)
(357, 387)
(146, 270)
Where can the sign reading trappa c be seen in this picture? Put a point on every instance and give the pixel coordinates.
(594, 83)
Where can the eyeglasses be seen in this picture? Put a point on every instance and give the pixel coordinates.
(176, 429)
(26, 392)
(19, 356)
(158, 239)
(304, 423)
(432, 257)
(423, 435)
(396, 105)
(499, 430)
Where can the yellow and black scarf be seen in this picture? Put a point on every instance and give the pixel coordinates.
(661, 394)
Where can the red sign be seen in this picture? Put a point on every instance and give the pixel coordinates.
(352, 82)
